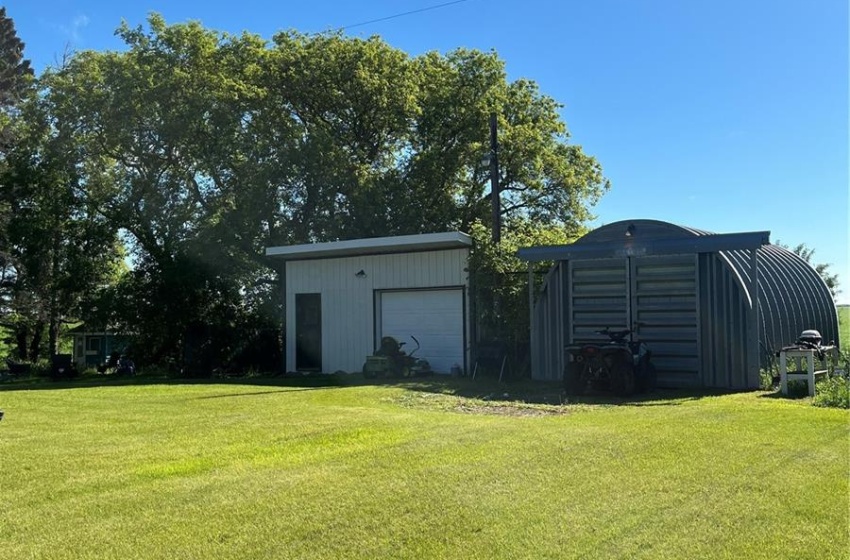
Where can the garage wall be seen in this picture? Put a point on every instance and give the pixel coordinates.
(348, 300)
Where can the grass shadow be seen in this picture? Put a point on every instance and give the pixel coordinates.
(791, 396)
(528, 391)
(525, 391)
(111, 380)
(272, 392)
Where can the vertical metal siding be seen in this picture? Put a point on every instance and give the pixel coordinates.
(539, 349)
(537, 345)
(556, 339)
(547, 338)
(723, 325)
(348, 311)
(793, 298)
(664, 299)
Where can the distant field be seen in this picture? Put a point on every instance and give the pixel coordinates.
(447, 469)
(844, 326)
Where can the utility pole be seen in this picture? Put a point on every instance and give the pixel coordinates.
(496, 199)
(495, 194)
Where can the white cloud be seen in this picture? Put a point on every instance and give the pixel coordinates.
(73, 29)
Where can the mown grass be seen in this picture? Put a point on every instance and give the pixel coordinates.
(844, 326)
(407, 471)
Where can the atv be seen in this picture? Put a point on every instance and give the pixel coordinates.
(621, 366)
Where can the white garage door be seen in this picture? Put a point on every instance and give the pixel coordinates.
(434, 317)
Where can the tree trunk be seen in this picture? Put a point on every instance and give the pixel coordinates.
(53, 328)
(21, 335)
(52, 335)
(35, 345)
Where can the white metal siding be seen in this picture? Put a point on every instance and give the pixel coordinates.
(348, 301)
(434, 317)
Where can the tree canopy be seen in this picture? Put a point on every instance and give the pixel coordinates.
(202, 148)
(191, 133)
(15, 71)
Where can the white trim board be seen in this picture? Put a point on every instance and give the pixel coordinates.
(372, 245)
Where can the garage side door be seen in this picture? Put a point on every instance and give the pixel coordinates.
(434, 317)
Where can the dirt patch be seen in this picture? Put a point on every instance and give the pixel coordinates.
(467, 405)
(509, 409)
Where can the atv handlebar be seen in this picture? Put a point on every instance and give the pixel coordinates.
(615, 336)
(619, 336)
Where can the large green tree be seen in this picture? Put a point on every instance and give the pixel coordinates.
(62, 249)
(206, 147)
(15, 85)
(169, 149)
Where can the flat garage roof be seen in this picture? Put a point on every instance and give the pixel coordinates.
(372, 246)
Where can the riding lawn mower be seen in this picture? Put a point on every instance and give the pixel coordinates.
(391, 361)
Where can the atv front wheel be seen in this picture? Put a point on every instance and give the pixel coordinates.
(622, 379)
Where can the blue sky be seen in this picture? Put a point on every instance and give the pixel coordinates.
(721, 115)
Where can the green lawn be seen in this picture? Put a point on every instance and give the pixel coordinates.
(275, 471)
(844, 326)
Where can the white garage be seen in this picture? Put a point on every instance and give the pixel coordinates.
(434, 317)
(342, 297)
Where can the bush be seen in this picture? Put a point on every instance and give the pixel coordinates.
(766, 379)
(41, 368)
(834, 391)
(842, 362)
(18, 369)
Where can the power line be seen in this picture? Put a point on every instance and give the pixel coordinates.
(411, 12)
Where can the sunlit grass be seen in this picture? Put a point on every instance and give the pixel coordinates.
(242, 471)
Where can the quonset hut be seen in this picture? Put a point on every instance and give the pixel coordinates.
(690, 292)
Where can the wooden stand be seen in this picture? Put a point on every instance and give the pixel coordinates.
(808, 374)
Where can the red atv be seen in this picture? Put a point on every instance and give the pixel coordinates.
(621, 366)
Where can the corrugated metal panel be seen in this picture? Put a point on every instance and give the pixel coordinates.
(597, 291)
(723, 326)
(793, 297)
(547, 338)
(664, 301)
(538, 347)
(348, 304)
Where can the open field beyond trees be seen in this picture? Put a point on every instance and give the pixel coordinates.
(436, 470)
(844, 325)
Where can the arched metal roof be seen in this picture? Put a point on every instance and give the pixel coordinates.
(792, 295)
